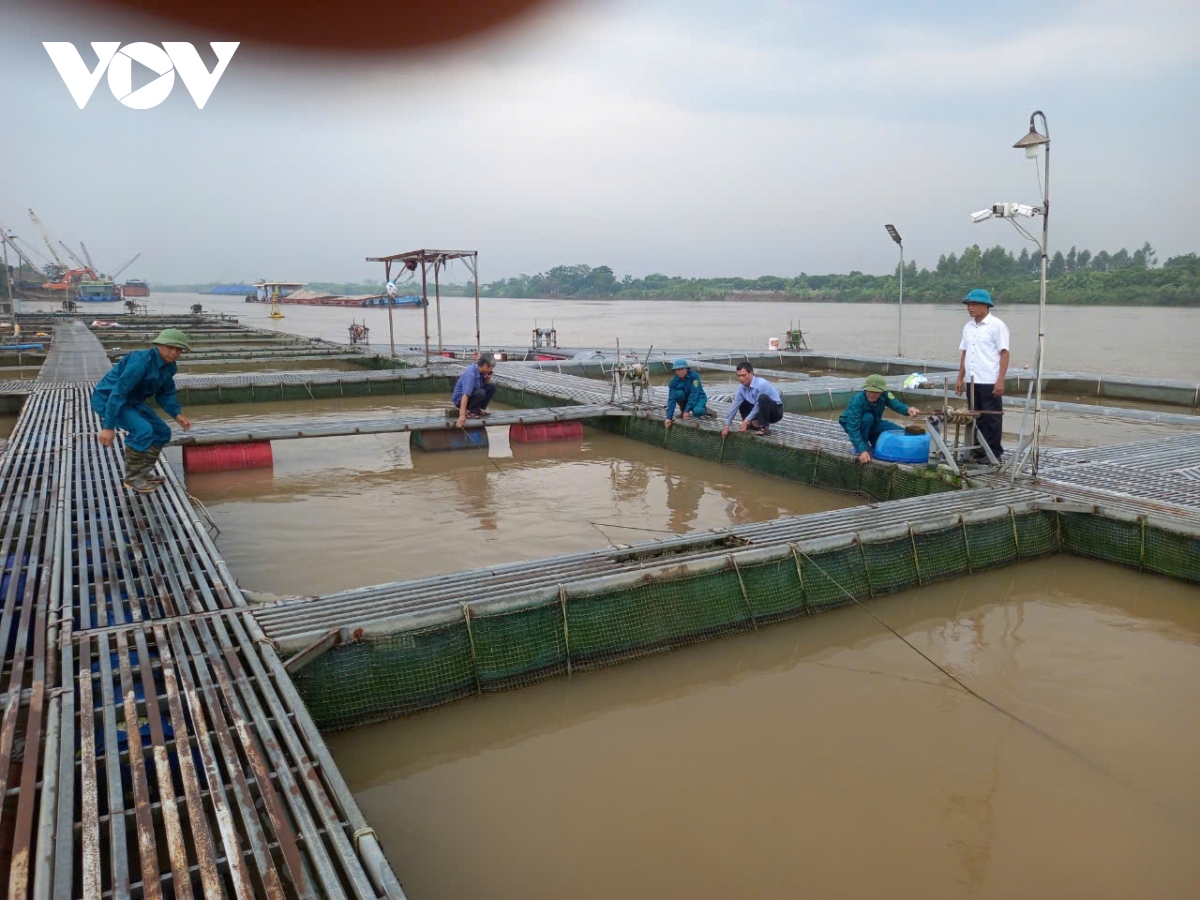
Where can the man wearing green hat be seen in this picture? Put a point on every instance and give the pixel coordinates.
(982, 366)
(120, 401)
(685, 392)
(863, 419)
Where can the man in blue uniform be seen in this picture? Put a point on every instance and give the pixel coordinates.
(863, 419)
(474, 389)
(685, 393)
(757, 400)
(120, 401)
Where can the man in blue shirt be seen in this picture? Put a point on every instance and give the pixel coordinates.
(685, 393)
(120, 401)
(863, 418)
(757, 401)
(474, 389)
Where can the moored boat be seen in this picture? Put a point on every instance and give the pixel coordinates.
(98, 292)
(135, 287)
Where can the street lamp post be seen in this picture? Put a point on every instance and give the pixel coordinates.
(891, 230)
(12, 309)
(1031, 143)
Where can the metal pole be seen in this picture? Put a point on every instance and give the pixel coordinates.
(387, 279)
(1041, 344)
(425, 305)
(12, 307)
(437, 293)
(900, 314)
(478, 346)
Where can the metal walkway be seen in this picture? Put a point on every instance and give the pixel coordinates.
(151, 742)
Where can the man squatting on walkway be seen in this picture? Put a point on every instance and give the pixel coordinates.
(686, 393)
(474, 389)
(757, 401)
(863, 418)
(120, 401)
(982, 367)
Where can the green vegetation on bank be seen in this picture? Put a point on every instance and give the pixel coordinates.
(1076, 277)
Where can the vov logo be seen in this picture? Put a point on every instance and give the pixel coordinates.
(171, 57)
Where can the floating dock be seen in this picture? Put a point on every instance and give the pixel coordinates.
(160, 733)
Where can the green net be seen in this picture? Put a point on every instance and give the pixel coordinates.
(1036, 534)
(773, 590)
(1171, 553)
(1102, 538)
(381, 677)
(941, 554)
(655, 616)
(830, 577)
(991, 543)
(891, 565)
(519, 647)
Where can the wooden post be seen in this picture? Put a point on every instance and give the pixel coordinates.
(437, 292)
(425, 304)
(387, 279)
(475, 268)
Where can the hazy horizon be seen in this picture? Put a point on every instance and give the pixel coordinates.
(701, 139)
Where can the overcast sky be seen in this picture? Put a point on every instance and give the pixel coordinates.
(689, 137)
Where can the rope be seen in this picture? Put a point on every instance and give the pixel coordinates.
(207, 515)
(466, 611)
(365, 831)
(978, 696)
(562, 599)
(745, 595)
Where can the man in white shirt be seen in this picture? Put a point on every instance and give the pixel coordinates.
(757, 401)
(982, 367)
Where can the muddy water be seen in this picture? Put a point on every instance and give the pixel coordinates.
(1156, 341)
(337, 513)
(823, 757)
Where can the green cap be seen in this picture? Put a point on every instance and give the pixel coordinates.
(173, 337)
(875, 383)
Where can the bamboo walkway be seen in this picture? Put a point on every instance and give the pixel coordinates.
(151, 743)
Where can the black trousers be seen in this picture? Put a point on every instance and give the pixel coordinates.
(769, 412)
(990, 427)
(479, 398)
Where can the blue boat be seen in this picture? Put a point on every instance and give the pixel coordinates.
(382, 300)
(98, 292)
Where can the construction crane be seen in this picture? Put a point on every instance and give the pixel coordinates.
(74, 256)
(37, 223)
(126, 266)
(88, 256)
(11, 239)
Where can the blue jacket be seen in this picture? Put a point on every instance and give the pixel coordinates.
(134, 380)
(469, 381)
(688, 391)
(751, 393)
(852, 419)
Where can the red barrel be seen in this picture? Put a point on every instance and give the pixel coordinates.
(227, 457)
(546, 431)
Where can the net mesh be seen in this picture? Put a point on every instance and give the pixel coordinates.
(1171, 553)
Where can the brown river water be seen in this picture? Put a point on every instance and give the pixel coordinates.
(343, 512)
(823, 757)
(1154, 341)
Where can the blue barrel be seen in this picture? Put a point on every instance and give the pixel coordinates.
(896, 446)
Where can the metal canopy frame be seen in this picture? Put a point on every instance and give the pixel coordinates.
(438, 260)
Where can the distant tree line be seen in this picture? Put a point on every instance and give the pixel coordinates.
(1076, 277)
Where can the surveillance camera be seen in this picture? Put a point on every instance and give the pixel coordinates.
(983, 215)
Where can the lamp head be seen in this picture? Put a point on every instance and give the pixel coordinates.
(891, 230)
(1032, 142)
